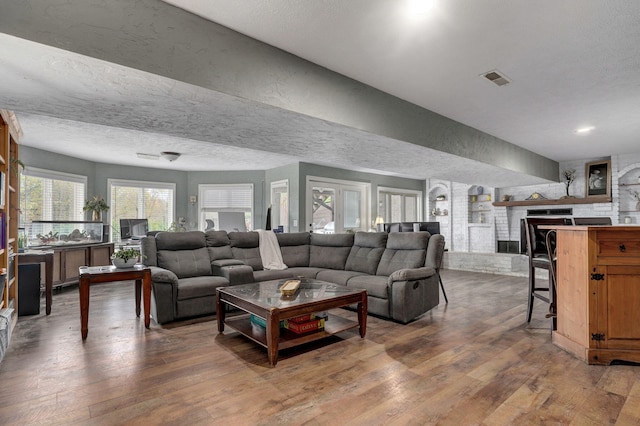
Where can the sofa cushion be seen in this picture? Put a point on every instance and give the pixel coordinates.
(186, 263)
(218, 244)
(376, 286)
(271, 274)
(250, 256)
(330, 250)
(337, 277)
(218, 253)
(404, 250)
(366, 252)
(244, 239)
(245, 247)
(294, 248)
(180, 240)
(189, 288)
(304, 271)
(216, 238)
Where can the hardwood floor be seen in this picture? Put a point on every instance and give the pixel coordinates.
(473, 361)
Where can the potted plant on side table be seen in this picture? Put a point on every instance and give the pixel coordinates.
(125, 258)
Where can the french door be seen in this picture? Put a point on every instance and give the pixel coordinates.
(335, 206)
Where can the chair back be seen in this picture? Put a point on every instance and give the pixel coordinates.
(535, 237)
(602, 220)
(550, 240)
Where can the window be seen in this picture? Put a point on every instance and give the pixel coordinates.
(399, 205)
(336, 206)
(49, 195)
(223, 207)
(153, 201)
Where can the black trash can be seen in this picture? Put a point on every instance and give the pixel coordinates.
(29, 289)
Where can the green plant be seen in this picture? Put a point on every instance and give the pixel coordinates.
(16, 165)
(95, 204)
(126, 254)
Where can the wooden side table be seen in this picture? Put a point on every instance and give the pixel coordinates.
(40, 256)
(104, 274)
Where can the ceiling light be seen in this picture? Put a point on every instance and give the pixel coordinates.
(419, 7)
(171, 156)
(585, 129)
(147, 156)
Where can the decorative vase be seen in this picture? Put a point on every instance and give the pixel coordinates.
(120, 263)
(97, 216)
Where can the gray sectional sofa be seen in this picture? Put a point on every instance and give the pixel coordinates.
(398, 270)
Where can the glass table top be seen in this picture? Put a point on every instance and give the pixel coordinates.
(267, 294)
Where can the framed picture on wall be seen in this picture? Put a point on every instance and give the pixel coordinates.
(598, 179)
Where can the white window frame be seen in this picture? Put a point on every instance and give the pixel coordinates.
(203, 187)
(341, 185)
(144, 185)
(402, 192)
(56, 175)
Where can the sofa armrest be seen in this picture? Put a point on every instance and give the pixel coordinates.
(161, 275)
(237, 274)
(435, 251)
(414, 274)
(217, 266)
(164, 284)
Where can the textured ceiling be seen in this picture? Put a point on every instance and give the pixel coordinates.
(572, 63)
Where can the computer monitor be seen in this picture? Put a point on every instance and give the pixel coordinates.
(231, 221)
(132, 229)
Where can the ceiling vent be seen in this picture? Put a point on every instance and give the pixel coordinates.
(496, 78)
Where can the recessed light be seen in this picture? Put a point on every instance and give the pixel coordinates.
(419, 7)
(585, 129)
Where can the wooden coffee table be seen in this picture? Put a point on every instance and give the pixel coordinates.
(265, 300)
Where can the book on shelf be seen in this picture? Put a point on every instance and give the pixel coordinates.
(263, 322)
(306, 326)
(308, 317)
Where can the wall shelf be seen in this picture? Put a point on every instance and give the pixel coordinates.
(545, 202)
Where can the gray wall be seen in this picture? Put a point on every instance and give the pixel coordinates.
(98, 173)
(187, 182)
(291, 173)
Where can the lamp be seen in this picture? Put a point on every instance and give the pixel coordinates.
(378, 223)
(171, 156)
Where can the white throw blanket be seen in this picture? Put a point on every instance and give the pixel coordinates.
(270, 250)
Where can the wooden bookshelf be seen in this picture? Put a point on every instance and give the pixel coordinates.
(10, 134)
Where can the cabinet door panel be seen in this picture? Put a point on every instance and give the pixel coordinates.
(622, 307)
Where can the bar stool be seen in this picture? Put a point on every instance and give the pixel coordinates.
(550, 240)
(538, 259)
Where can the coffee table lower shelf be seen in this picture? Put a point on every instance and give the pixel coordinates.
(288, 339)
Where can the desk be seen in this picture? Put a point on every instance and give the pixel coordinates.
(104, 274)
(46, 257)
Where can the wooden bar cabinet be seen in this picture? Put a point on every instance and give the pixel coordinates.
(598, 293)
